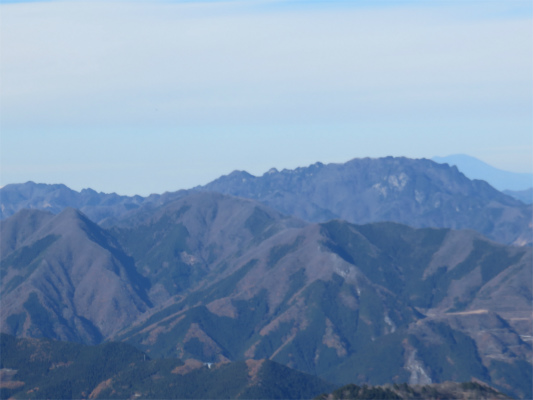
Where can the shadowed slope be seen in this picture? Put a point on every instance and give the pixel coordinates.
(69, 280)
(42, 368)
(231, 279)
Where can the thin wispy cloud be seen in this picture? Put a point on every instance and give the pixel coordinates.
(197, 61)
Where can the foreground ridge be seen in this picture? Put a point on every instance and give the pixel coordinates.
(445, 390)
(218, 278)
(43, 368)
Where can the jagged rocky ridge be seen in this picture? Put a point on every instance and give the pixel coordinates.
(217, 278)
(419, 193)
(415, 192)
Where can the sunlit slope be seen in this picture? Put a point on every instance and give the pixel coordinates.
(217, 278)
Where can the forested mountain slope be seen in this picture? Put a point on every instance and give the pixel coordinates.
(218, 278)
(42, 368)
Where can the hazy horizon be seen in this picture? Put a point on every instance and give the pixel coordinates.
(80, 188)
(139, 98)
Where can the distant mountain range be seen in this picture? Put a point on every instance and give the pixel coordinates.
(419, 193)
(99, 207)
(216, 278)
(500, 179)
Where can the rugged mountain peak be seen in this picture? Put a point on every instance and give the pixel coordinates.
(236, 177)
(417, 192)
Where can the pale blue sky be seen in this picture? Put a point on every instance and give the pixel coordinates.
(141, 97)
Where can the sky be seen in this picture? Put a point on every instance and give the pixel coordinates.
(140, 97)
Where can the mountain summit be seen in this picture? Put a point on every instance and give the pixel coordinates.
(419, 193)
(416, 192)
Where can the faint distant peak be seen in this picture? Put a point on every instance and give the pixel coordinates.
(34, 185)
(316, 165)
(238, 174)
(474, 168)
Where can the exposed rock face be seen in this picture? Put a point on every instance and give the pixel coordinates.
(419, 193)
(418, 374)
